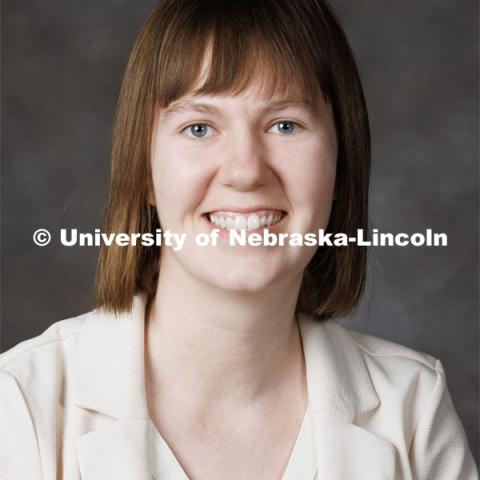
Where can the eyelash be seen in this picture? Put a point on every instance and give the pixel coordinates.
(296, 125)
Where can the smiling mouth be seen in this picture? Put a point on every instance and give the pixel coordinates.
(226, 220)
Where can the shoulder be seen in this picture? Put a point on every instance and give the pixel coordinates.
(34, 383)
(57, 336)
(392, 365)
(36, 391)
(45, 357)
(380, 348)
(393, 391)
(389, 376)
(378, 354)
(381, 351)
(398, 366)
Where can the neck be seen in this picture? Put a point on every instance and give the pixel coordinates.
(211, 348)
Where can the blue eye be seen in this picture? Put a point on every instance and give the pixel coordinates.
(285, 127)
(198, 130)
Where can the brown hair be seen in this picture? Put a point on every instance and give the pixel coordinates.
(298, 45)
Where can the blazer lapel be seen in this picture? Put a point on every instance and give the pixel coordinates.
(119, 452)
(110, 379)
(341, 393)
(348, 452)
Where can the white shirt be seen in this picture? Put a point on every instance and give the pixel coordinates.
(301, 465)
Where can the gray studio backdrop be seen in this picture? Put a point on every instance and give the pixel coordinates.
(62, 66)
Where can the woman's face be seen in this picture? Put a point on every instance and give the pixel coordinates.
(245, 159)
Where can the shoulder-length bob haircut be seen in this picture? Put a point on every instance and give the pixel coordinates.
(290, 45)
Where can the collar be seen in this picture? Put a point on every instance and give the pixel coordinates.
(337, 377)
(110, 366)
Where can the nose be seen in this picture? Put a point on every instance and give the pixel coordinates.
(244, 164)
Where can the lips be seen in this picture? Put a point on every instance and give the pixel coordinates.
(246, 210)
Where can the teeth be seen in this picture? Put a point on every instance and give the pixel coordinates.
(242, 222)
(253, 222)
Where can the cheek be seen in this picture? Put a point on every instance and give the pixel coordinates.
(179, 180)
(309, 177)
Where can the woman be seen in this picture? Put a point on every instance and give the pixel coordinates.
(226, 361)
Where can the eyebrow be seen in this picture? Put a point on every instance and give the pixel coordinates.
(192, 106)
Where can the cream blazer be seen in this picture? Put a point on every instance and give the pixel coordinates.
(73, 405)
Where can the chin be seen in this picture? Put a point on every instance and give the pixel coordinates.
(245, 280)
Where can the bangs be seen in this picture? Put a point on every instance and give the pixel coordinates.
(222, 47)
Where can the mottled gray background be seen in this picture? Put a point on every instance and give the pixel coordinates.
(62, 64)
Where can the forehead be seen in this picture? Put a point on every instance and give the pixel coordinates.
(262, 75)
(258, 87)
